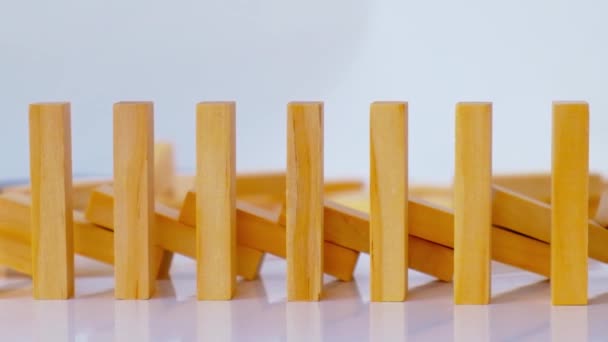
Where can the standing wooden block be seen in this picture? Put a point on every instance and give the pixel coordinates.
(473, 203)
(304, 201)
(215, 201)
(51, 216)
(569, 200)
(134, 199)
(388, 201)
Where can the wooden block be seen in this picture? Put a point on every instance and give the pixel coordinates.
(304, 201)
(134, 204)
(538, 185)
(569, 196)
(89, 240)
(215, 203)
(260, 229)
(172, 235)
(434, 224)
(388, 199)
(472, 203)
(52, 222)
(532, 218)
(165, 176)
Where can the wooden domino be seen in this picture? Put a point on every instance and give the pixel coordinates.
(569, 201)
(388, 198)
(172, 235)
(304, 201)
(215, 207)
(134, 204)
(51, 218)
(261, 229)
(472, 203)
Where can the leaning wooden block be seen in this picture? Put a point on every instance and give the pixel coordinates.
(260, 229)
(532, 218)
(349, 227)
(52, 222)
(89, 240)
(569, 201)
(433, 223)
(172, 235)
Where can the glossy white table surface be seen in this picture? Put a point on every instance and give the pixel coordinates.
(520, 310)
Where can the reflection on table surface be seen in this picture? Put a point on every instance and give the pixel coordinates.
(520, 310)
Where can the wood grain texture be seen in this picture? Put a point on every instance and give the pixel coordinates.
(349, 228)
(538, 185)
(531, 217)
(569, 200)
(472, 203)
(434, 224)
(134, 204)
(215, 203)
(261, 229)
(304, 201)
(388, 199)
(51, 214)
(172, 235)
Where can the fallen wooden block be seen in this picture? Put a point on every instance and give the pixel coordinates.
(89, 240)
(260, 229)
(538, 186)
(349, 227)
(172, 235)
(532, 218)
(434, 225)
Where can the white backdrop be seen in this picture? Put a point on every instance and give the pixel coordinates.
(262, 53)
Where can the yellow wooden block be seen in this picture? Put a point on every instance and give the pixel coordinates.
(432, 223)
(51, 219)
(268, 187)
(569, 200)
(538, 185)
(349, 228)
(89, 240)
(260, 229)
(172, 235)
(388, 198)
(134, 205)
(531, 217)
(304, 201)
(165, 177)
(472, 203)
(215, 205)
(81, 189)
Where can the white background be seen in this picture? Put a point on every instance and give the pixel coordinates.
(262, 53)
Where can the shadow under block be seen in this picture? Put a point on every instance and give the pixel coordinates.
(260, 229)
(215, 206)
(134, 205)
(304, 201)
(472, 203)
(388, 197)
(15, 234)
(51, 188)
(569, 200)
(172, 235)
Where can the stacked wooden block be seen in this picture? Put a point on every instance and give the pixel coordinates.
(227, 222)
